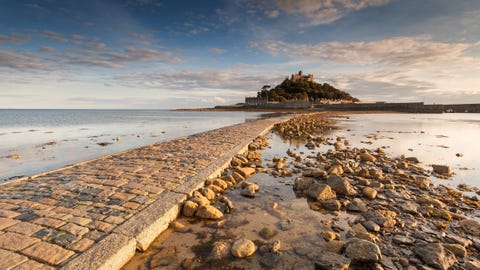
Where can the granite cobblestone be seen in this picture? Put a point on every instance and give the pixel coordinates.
(49, 219)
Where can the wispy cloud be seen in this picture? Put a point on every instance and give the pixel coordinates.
(14, 38)
(398, 51)
(35, 6)
(325, 11)
(54, 36)
(237, 82)
(46, 49)
(23, 62)
(217, 51)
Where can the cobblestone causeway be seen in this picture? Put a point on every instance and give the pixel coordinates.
(47, 221)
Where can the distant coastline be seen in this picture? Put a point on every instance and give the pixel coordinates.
(406, 107)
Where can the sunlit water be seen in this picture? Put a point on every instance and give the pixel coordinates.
(50, 139)
(432, 138)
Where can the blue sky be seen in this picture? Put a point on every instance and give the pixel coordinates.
(157, 54)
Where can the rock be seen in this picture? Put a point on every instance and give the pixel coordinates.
(338, 145)
(238, 177)
(220, 183)
(243, 248)
(473, 265)
(340, 185)
(220, 250)
(317, 173)
(215, 188)
(403, 240)
(435, 255)
(176, 225)
(228, 204)
(268, 232)
(249, 191)
(357, 205)
(208, 193)
(457, 249)
(336, 169)
(332, 205)
(329, 236)
(332, 261)
(164, 257)
(412, 159)
(189, 208)
(286, 224)
(320, 192)
(270, 259)
(303, 183)
(427, 200)
(360, 250)
(367, 157)
(335, 246)
(423, 182)
(208, 212)
(370, 193)
(409, 207)
(199, 199)
(384, 218)
(245, 171)
(275, 246)
(255, 156)
(443, 170)
(246, 184)
(371, 226)
(471, 227)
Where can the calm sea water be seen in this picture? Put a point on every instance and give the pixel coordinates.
(432, 138)
(49, 139)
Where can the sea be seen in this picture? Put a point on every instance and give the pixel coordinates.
(34, 141)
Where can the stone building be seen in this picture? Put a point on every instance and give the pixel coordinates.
(256, 101)
(301, 76)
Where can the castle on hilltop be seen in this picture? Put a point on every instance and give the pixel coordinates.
(300, 76)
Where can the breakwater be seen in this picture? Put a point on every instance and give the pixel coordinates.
(94, 215)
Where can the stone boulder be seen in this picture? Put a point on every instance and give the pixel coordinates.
(243, 248)
(384, 218)
(220, 250)
(340, 185)
(303, 183)
(208, 212)
(369, 192)
(189, 208)
(245, 171)
(470, 226)
(332, 261)
(360, 250)
(435, 255)
(367, 157)
(442, 170)
(320, 192)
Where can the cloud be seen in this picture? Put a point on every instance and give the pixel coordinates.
(272, 14)
(325, 11)
(217, 51)
(46, 49)
(13, 38)
(397, 51)
(237, 83)
(35, 6)
(54, 36)
(22, 62)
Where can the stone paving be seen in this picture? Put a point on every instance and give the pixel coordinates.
(91, 214)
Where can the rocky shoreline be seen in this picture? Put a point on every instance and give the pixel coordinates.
(376, 212)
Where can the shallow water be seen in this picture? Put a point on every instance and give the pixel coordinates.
(432, 138)
(49, 139)
(249, 216)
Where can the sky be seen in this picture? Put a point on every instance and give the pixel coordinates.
(163, 54)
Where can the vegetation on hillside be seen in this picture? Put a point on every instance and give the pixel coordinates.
(302, 90)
